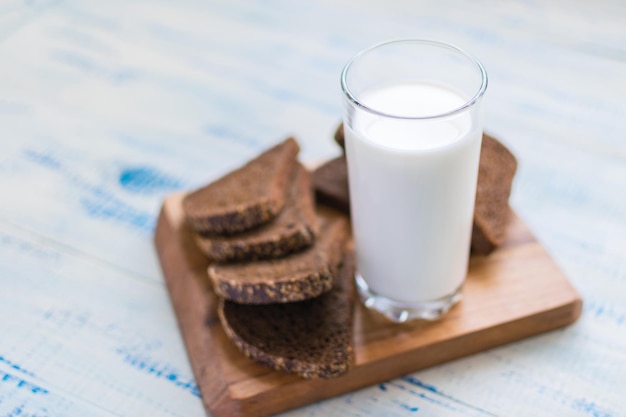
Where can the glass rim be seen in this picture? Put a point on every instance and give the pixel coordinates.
(481, 91)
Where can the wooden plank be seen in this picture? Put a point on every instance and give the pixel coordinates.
(516, 292)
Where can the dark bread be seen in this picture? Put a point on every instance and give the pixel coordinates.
(340, 137)
(330, 181)
(292, 230)
(245, 198)
(495, 177)
(299, 276)
(312, 338)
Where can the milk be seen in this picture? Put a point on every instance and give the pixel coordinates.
(412, 190)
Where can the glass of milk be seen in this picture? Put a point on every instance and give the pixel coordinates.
(413, 130)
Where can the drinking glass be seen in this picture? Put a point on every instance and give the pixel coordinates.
(413, 131)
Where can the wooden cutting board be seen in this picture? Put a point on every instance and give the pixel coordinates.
(516, 292)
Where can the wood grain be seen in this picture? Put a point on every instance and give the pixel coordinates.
(516, 292)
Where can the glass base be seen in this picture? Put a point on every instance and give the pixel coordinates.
(399, 312)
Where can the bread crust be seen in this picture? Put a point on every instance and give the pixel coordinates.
(330, 181)
(312, 339)
(246, 197)
(293, 229)
(300, 276)
(496, 170)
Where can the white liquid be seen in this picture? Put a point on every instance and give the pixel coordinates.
(412, 191)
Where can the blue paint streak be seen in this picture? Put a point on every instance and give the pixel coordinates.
(435, 401)
(15, 366)
(382, 387)
(17, 411)
(26, 410)
(43, 159)
(588, 407)
(409, 408)
(22, 384)
(145, 180)
(414, 381)
(606, 312)
(162, 371)
(105, 206)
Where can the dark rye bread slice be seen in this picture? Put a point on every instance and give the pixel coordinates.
(330, 181)
(299, 276)
(292, 230)
(311, 338)
(340, 137)
(245, 198)
(495, 177)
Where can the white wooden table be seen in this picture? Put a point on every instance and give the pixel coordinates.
(108, 106)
